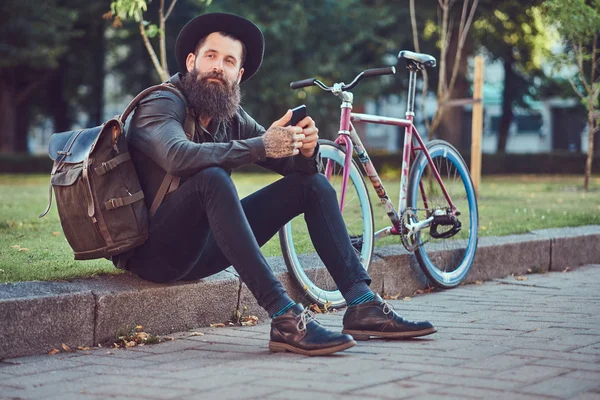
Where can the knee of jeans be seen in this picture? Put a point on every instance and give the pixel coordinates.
(320, 184)
(212, 178)
(212, 174)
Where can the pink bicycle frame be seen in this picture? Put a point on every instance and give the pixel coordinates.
(350, 141)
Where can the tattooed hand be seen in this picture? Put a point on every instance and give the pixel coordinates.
(282, 141)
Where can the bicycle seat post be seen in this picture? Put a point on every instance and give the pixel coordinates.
(412, 88)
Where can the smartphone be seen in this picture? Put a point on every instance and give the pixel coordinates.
(298, 114)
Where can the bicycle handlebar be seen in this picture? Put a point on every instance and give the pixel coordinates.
(364, 74)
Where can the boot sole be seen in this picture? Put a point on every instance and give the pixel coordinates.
(366, 335)
(279, 347)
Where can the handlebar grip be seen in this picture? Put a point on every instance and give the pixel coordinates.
(379, 71)
(303, 83)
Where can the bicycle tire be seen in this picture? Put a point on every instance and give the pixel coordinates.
(445, 261)
(299, 254)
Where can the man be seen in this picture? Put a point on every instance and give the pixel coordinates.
(203, 227)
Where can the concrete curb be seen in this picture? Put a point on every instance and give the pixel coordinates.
(38, 316)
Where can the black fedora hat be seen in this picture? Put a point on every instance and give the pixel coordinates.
(203, 25)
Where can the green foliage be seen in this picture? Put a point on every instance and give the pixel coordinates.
(34, 33)
(575, 20)
(129, 9)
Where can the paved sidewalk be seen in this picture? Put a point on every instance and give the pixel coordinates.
(508, 338)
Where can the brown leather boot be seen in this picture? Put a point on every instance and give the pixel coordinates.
(377, 318)
(297, 331)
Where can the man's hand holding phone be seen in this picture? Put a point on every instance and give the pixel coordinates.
(310, 131)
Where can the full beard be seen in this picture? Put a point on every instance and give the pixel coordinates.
(218, 101)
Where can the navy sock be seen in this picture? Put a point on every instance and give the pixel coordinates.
(359, 293)
(280, 306)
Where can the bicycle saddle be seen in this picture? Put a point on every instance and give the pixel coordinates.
(417, 59)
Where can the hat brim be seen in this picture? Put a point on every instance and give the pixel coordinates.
(203, 25)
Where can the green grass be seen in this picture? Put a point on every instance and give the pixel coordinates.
(35, 249)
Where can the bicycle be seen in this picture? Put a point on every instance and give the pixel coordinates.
(437, 217)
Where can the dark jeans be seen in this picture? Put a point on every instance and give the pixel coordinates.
(203, 227)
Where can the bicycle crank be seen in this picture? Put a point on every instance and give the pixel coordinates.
(444, 219)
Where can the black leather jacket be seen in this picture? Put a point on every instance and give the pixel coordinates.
(158, 144)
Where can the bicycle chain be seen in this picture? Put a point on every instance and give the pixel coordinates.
(404, 238)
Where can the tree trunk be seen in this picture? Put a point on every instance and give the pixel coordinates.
(97, 110)
(59, 106)
(8, 113)
(590, 153)
(507, 102)
(451, 125)
(21, 144)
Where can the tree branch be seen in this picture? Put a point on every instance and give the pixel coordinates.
(579, 54)
(413, 22)
(576, 89)
(170, 9)
(155, 62)
(463, 30)
(161, 36)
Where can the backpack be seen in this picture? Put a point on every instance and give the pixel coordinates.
(98, 193)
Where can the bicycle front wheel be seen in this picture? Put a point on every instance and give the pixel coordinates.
(300, 256)
(445, 259)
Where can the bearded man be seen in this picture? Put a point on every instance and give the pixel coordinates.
(203, 227)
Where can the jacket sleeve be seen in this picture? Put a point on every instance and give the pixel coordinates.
(156, 130)
(283, 166)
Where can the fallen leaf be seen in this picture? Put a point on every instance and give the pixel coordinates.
(521, 278)
(15, 246)
(170, 338)
(53, 352)
(56, 233)
(479, 282)
(218, 325)
(66, 348)
(566, 269)
(538, 329)
(23, 249)
(407, 298)
(250, 320)
(390, 297)
(130, 344)
(139, 327)
(196, 334)
(83, 348)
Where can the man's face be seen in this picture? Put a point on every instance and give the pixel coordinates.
(212, 82)
(217, 55)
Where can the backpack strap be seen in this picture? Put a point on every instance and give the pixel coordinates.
(170, 183)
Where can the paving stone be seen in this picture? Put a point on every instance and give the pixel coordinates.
(572, 356)
(401, 389)
(469, 381)
(475, 354)
(561, 386)
(568, 364)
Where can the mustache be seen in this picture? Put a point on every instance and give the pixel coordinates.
(214, 75)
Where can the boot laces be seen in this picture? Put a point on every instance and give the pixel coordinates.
(387, 308)
(305, 317)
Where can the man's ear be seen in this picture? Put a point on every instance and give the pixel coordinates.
(190, 62)
(239, 79)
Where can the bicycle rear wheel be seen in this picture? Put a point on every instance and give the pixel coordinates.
(300, 256)
(445, 260)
